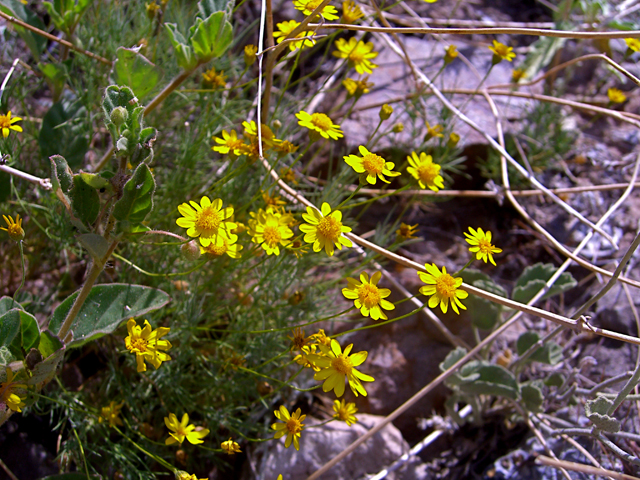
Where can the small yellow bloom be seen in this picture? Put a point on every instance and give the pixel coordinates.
(208, 221)
(288, 175)
(230, 447)
(371, 166)
(291, 427)
(324, 229)
(425, 171)
(269, 229)
(454, 138)
(224, 247)
(407, 231)
(518, 74)
(180, 475)
(285, 147)
(228, 144)
(111, 414)
(385, 112)
(250, 52)
(480, 242)
(367, 297)
(147, 345)
(152, 10)
(7, 123)
(285, 28)
(14, 229)
(616, 96)
(213, 79)
(357, 53)
(12, 393)
(433, 132)
(443, 288)
(181, 430)
(319, 123)
(345, 412)
(351, 12)
(337, 366)
(450, 54)
(501, 52)
(308, 6)
(299, 341)
(633, 44)
(356, 88)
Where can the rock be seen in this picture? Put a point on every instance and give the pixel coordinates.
(319, 445)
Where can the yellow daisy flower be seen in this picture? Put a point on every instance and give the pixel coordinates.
(407, 231)
(230, 447)
(12, 393)
(181, 430)
(308, 6)
(367, 297)
(213, 79)
(518, 74)
(351, 12)
(225, 246)
(633, 44)
(285, 147)
(14, 229)
(180, 475)
(319, 123)
(299, 341)
(336, 366)
(356, 88)
(433, 132)
(425, 171)
(146, 344)
(501, 52)
(110, 414)
(291, 427)
(208, 221)
(481, 244)
(269, 229)
(229, 143)
(443, 288)
(357, 53)
(345, 412)
(7, 123)
(324, 229)
(616, 96)
(370, 166)
(285, 28)
(321, 338)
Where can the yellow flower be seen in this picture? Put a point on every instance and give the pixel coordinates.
(273, 201)
(321, 338)
(269, 229)
(225, 246)
(443, 288)
(336, 366)
(398, 127)
(371, 166)
(433, 132)
(214, 79)
(110, 414)
(616, 96)
(12, 393)
(7, 123)
(385, 112)
(633, 44)
(230, 447)
(308, 6)
(181, 430)
(356, 88)
(319, 123)
(324, 229)
(284, 147)
(251, 132)
(501, 52)
(285, 28)
(208, 221)
(14, 229)
(425, 171)
(299, 341)
(351, 12)
(454, 138)
(229, 143)
(288, 175)
(250, 52)
(430, 1)
(146, 344)
(291, 427)
(481, 244)
(407, 231)
(345, 412)
(518, 74)
(357, 53)
(367, 297)
(450, 54)
(180, 475)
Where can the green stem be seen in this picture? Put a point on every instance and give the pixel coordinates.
(463, 268)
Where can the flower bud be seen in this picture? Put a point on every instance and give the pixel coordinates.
(454, 138)
(190, 250)
(385, 112)
(450, 54)
(14, 229)
(398, 127)
(250, 54)
(119, 116)
(152, 10)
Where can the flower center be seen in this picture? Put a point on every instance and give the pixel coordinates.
(313, 4)
(428, 172)
(208, 220)
(4, 121)
(356, 56)
(272, 236)
(373, 163)
(216, 250)
(502, 50)
(369, 295)
(484, 246)
(446, 286)
(329, 228)
(321, 121)
(342, 365)
(139, 344)
(294, 426)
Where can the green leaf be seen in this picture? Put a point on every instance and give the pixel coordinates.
(105, 307)
(10, 330)
(452, 357)
(532, 396)
(95, 180)
(535, 277)
(137, 198)
(85, 201)
(56, 75)
(597, 411)
(46, 370)
(209, 7)
(19, 332)
(484, 314)
(61, 174)
(49, 344)
(95, 244)
(211, 37)
(556, 379)
(550, 353)
(7, 303)
(115, 96)
(492, 380)
(133, 69)
(34, 42)
(63, 132)
(5, 356)
(184, 53)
